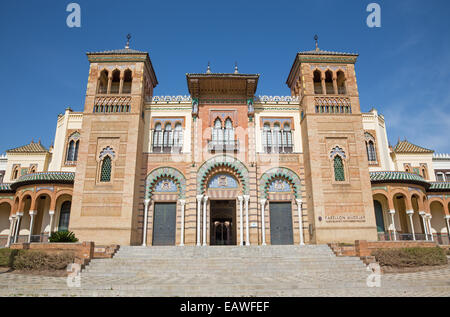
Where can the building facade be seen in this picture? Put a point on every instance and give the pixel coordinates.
(223, 166)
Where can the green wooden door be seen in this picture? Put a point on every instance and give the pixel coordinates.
(164, 223)
(281, 232)
(379, 216)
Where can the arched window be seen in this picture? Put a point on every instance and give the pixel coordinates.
(178, 137)
(103, 82)
(64, 216)
(287, 138)
(277, 138)
(115, 84)
(339, 175)
(71, 151)
(168, 138)
(217, 135)
(341, 83)
(329, 82)
(229, 132)
(267, 138)
(105, 172)
(157, 138)
(371, 154)
(127, 80)
(72, 147)
(15, 173)
(317, 82)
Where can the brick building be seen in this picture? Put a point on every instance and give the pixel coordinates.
(223, 166)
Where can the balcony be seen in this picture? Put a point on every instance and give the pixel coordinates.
(279, 149)
(223, 145)
(166, 149)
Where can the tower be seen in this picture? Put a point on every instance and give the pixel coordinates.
(107, 189)
(340, 206)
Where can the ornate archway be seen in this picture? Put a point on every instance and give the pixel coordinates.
(165, 172)
(233, 165)
(280, 172)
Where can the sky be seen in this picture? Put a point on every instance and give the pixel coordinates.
(403, 69)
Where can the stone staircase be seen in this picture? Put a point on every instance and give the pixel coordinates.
(311, 270)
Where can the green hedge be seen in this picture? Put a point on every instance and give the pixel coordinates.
(411, 257)
(7, 257)
(36, 260)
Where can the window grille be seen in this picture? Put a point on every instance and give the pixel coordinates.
(339, 175)
(105, 175)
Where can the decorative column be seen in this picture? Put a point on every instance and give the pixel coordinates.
(241, 227)
(183, 203)
(50, 229)
(324, 87)
(300, 220)
(199, 208)
(335, 87)
(108, 91)
(122, 75)
(32, 214)
(17, 231)
(11, 227)
(392, 212)
(410, 213)
(247, 225)
(425, 227)
(144, 238)
(429, 226)
(205, 201)
(263, 224)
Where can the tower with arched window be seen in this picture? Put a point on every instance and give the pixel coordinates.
(336, 171)
(109, 150)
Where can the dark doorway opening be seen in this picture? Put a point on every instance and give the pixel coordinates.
(223, 222)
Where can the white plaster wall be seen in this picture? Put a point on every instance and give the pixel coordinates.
(415, 160)
(69, 121)
(296, 133)
(186, 114)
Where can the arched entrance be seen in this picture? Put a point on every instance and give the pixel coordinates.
(222, 196)
(222, 190)
(281, 188)
(164, 201)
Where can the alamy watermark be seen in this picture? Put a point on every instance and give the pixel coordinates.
(374, 18)
(74, 18)
(374, 278)
(74, 276)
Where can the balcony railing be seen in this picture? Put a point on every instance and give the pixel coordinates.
(281, 149)
(166, 149)
(223, 145)
(439, 238)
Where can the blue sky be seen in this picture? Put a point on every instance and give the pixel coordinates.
(403, 69)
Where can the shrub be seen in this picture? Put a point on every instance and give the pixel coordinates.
(411, 257)
(40, 261)
(63, 236)
(7, 257)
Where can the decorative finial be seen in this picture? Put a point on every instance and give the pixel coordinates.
(208, 71)
(236, 71)
(316, 38)
(128, 41)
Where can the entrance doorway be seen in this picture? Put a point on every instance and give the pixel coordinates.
(281, 232)
(223, 222)
(164, 224)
